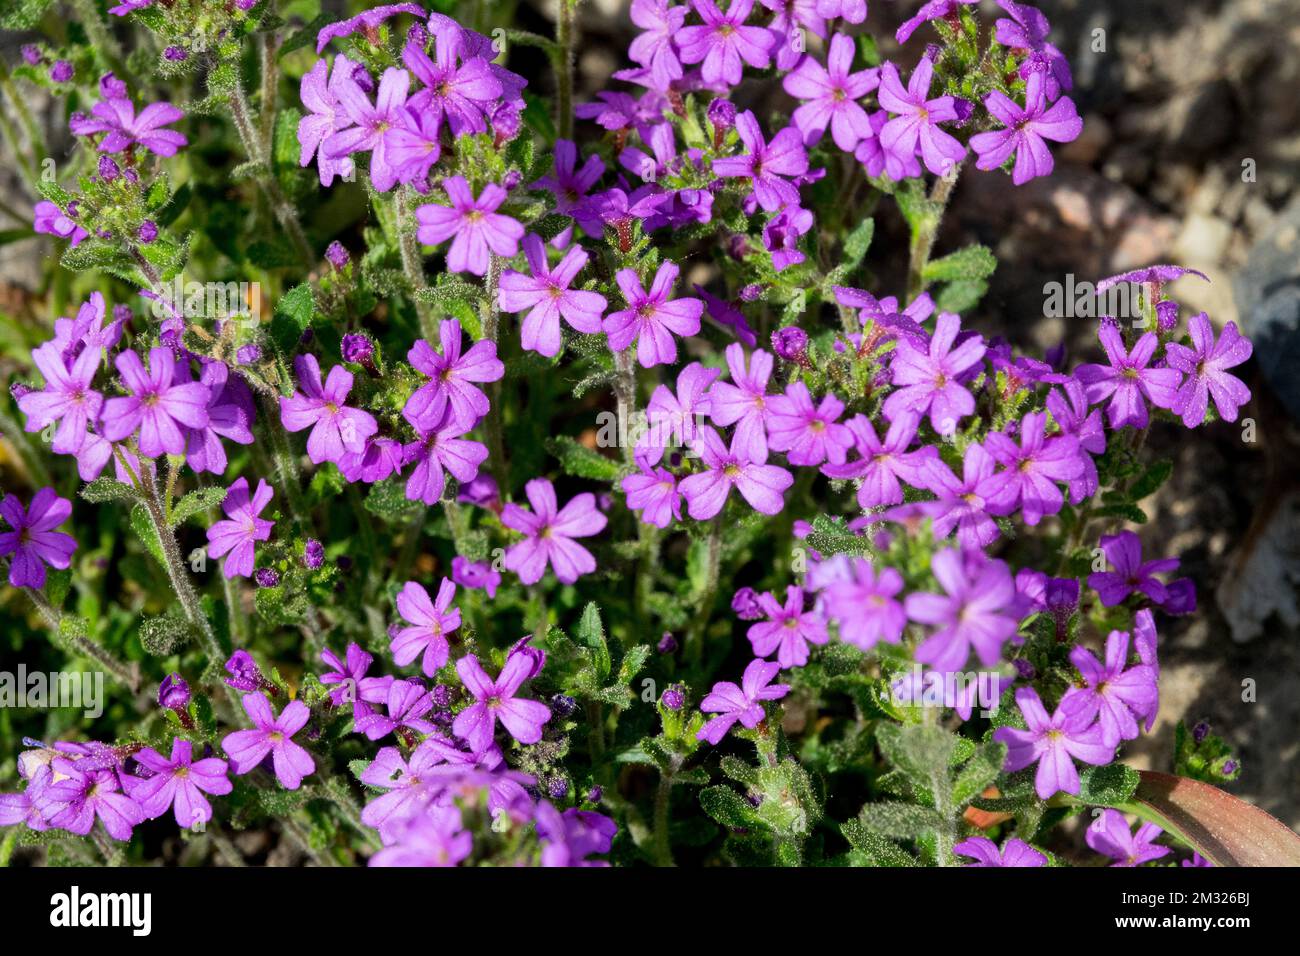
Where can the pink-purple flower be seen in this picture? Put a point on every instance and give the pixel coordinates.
(158, 406)
(1206, 366)
(770, 167)
(547, 296)
(917, 117)
(724, 43)
(549, 532)
(743, 703)
(497, 700)
(235, 536)
(1129, 380)
(178, 783)
(706, 492)
(1024, 131)
(32, 540)
(1110, 835)
(652, 318)
(474, 226)
(336, 429)
(271, 736)
(788, 630)
(1054, 743)
(831, 95)
(453, 376)
(928, 380)
(429, 623)
(974, 612)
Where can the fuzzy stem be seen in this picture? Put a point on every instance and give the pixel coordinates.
(126, 674)
(704, 606)
(286, 466)
(928, 230)
(284, 210)
(36, 140)
(491, 319)
(22, 445)
(412, 262)
(663, 851)
(566, 38)
(101, 37)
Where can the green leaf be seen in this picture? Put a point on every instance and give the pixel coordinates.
(727, 807)
(105, 489)
(979, 773)
(591, 634)
(161, 636)
(968, 264)
(24, 14)
(1106, 786)
(293, 315)
(877, 850)
(900, 821)
(196, 502)
(1155, 476)
(582, 462)
(147, 533)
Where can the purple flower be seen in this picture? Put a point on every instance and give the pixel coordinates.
(929, 379)
(475, 575)
(88, 789)
(1027, 30)
(1032, 469)
(743, 401)
(570, 184)
(1154, 276)
(1116, 693)
(33, 542)
(1127, 379)
(433, 838)
(116, 118)
(724, 41)
(158, 405)
(759, 484)
(179, 783)
(547, 295)
(743, 703)
(235, 536)
(1025, 130)
(1124, 552)
(916, 118)
(461, 93)
(788, 630)
(474, 223)
(230, 415)
(495, 700)
(569, 838)
(272, 736)
(766, 164)
(791, 21)
(549, 532)
(862, 604)
(367, 127)
(51, 220)
(972, 613)
(790, 343)
(1111, 836)
(1015, 852)
(348, 676)
(325, 117)
(964, 503)
(884, 465)
(672, 419)
(438, 449)
(174, 693)
(67, 397)
(651, 318)
(654, 47)
(807, 433)
(1051, 742)
(451, 374)
(406, 704)
(1206, 368)
(781, 236)
(932, 10)
(831, 93)
(654, 493)
(430, 623)
(335, 428)
(367, 22)
(1070, 412)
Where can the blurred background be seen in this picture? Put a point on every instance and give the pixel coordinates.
(1189, 155)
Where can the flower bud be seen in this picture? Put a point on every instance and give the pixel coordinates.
(337, 255)
(313, 554)
(61, 71)
(266, 577)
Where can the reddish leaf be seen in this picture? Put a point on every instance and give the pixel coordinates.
(1224, 830)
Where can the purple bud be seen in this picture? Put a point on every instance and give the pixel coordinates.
(667, 643)
(745, 604)
(176, 54)
(108, 170)
(964, 109)
(266, 577)
(594, 795)
(361, 76)
(131, 175)
(122, 313)
(932, 52)
(506, 122)
(245, 4)
(751, 292)
(417, 34)
(1055, 356)
(1167, 315)
(243, 671)
(61, 71)
(673, 698)
(564, 705)
(307, 335)
(722, 116)
(738, 246)
(511, 180)
(343, 563)
(338, 256)
(1200, 731)
(1026, 670)
(790, 344)
(441, 696)
(557, 788)
(31, 54)
(111, 88)
(174, 693)
(313, 554)
(148, 231)
(358, 348)
(248, 354)
(1229, 767)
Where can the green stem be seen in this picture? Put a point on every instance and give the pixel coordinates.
(412, 262)
(22, 445)
(286, 465)
(704, 606)
(928, 230)
(663, 851)
(128, 675)
(566, 38)
(101, 37)
(491, 319)
(284, 211)
(31, 163)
